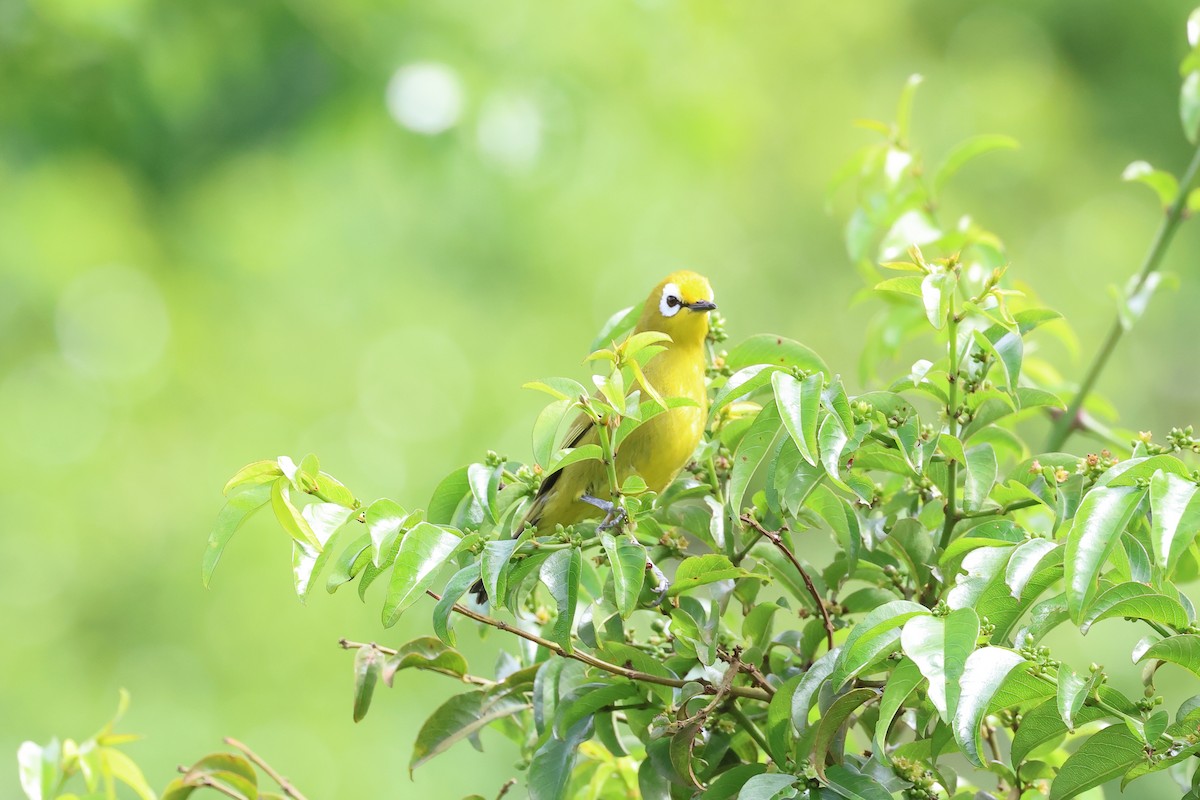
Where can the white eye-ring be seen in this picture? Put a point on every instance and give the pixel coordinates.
(670, 303)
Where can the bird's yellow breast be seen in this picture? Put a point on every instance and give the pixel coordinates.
(656, 451)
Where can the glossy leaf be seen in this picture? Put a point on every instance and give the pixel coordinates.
(985, 671)
(255, 474)
(459, 717)
(1175, 517)
(855, 785)
(1101, 519)
(753, 449)
(384, 518)
(627, 559)
(834, 718)
(798, 403)
(940, 647)
(427, 653)
(560, 572)
(1183, 650)
(1044, 724)
(702, 570)
(775, 350)
(422, 552)
(1102, 757)
(1137, 601)
(768, 786)
(455, 589)
(901, 684)
(877, 633)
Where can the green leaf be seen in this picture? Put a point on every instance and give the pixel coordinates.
(425, 653)
(587, 452)
(384, 519)
(447, 497)
(937, 291)
(37, 768)
(778, 351)
(455, 589)
(1026, 561)
(741, 385)
(1102, 757)
(616, 327)
(255, 474)
(1072, 691)
(903, 681)
(701, 570)
(587, 700)
(1174, 516)
(726, 785)
(1183, 650)
(834, 718)
(985, 671)
(798, 403)
(1044, 724)
(964, 152)
(422, 552)
(855, 785)
(751, 451)
(768, 786)
(289, 516)
(1164, 185)
(1189, 106)
(877, 633)
(981, 476)
(233, 515)
(905, 285)
(493, 563)
(1101, 519)
(551, 766)
(1135, 299)
(560, 572)
(940, 647)
(680, 752)
(459, 717)
(810, 683)
(1136, 601)
(627, 560)
(367, 666)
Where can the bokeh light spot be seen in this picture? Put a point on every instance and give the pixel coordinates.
(510, 131)
(425, 97)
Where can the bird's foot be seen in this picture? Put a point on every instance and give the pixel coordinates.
(614, 514)
(662, 585)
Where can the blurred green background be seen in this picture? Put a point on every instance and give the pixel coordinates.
(233, 230)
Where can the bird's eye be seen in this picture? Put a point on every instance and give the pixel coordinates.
(670, 303)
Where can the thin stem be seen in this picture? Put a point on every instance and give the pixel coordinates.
(745, 551)
(749, 727)
(508, 784)
(1068, 422)
(952, 425)
(1003, 510)
(754, 672)
(284, 784)
(474, 680)
(776, 540)
(592, 661)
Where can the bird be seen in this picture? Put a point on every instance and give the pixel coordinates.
(659, 448)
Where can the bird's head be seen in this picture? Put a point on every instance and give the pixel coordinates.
(679, 307)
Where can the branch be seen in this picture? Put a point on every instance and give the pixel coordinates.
(1069, 421)
(952, 424)
(284, 785)
(475, 680)
(508, 784)
(751, 670)
(203, 781)
(775, 539)
(592, 661)
(1001, 510)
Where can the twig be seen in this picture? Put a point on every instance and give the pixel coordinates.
(745, 551)
(284, 784)
(775, 539)
(1001, 511)
(592, 661)
(952, 425)
(1068, 422)
(474, 680)
(205, 781)
(751, 670)
(508, 784)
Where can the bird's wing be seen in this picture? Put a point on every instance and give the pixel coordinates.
(575, 434)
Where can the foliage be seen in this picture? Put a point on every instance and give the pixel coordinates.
(705, 648)
(48, 771)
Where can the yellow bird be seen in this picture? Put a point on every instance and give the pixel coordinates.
(658, 449)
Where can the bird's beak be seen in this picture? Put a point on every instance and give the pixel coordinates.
(702, 305)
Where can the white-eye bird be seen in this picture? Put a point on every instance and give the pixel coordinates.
(659, 448)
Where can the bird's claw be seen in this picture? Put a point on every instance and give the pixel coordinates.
(662, 585)
(614, 519)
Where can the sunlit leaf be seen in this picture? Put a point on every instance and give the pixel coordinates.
(1183, 650)
(1101, 519)
(985, 671)
(459, 717)
(875, 634)
(702, 570)
(423, 550)
(560, 572)
(798, 403)
(233, 515)
(1102, 757)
